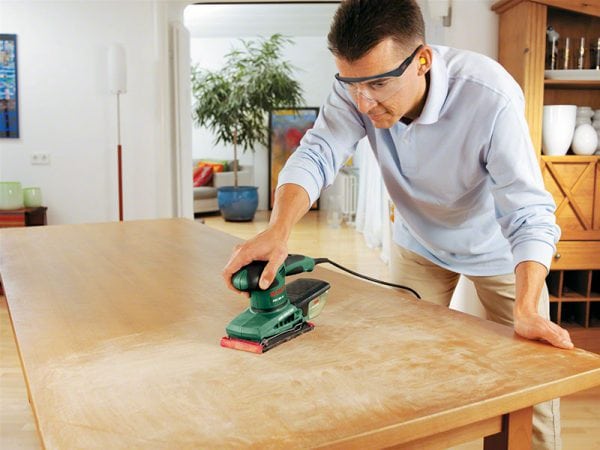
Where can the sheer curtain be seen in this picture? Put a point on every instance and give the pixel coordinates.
(372, 212)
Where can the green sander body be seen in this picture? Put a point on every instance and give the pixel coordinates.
(278, 313)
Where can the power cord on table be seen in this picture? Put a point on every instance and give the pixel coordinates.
(359, 275)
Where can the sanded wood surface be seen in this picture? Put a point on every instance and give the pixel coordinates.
(118, 329)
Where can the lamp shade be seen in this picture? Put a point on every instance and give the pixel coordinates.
(117, 69)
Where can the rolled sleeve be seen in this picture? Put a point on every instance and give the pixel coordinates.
(524, 209)
(533, 251)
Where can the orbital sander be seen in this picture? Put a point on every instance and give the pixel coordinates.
(280, 312)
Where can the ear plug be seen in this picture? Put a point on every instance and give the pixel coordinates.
(422, 60)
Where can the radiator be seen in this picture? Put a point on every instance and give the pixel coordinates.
(349, 185)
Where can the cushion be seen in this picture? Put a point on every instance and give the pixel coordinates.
(218, 166)
(203, 175)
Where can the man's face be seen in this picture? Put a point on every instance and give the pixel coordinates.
(386, 99)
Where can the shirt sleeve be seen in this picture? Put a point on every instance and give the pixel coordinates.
(325, 148)
(524, 209)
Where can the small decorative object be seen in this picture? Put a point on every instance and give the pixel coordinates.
(567, 56)
(595, 55)
(552, 57)
(585, 140)
(286, 128)
(581, 54)
(233, 102)
(596, 125)
(584, 115)
(558, 126)
(9, 92)
(32, 197)
(11, 195)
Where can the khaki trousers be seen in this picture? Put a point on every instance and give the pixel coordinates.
(497, 295)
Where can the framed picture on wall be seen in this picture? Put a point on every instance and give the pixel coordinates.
(286, 128)
(9, 102)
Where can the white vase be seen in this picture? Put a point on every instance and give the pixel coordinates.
(558, 126)
(585, 140)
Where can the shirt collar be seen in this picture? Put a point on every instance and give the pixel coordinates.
(438, 91)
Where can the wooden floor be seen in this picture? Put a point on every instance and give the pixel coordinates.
(313, 237)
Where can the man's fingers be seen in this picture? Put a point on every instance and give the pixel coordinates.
(235, 263)
(536, 327)
(559, 337)
(270, 271)
(555, 335)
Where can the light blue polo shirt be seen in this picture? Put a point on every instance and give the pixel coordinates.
(464, 176)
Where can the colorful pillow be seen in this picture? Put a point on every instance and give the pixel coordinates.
(218, 166)
(202, 175)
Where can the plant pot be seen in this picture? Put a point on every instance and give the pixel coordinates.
(237, 204)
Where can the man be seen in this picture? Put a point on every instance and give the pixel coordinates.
(448, 131)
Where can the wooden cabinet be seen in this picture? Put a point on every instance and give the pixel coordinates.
(573, 181)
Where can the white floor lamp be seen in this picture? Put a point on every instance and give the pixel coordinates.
(117, 76)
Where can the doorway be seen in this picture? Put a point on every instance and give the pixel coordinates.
(217, 27)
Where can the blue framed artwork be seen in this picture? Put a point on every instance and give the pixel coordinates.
(9, 92)
(286, 128)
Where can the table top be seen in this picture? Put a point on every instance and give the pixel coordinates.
(118, 328)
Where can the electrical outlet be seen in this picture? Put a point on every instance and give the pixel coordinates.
(40, 159)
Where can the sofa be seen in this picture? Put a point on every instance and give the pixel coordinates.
(205, 197)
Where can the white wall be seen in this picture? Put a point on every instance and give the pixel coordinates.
(474, 25)
(66, 109)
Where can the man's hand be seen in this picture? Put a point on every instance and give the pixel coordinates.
(291, 203)
(266, 246)
(530, 276)
(534, 326)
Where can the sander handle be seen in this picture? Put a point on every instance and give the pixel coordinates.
(295, 264)
(247, 278)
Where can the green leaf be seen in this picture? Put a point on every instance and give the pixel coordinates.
(254, 80)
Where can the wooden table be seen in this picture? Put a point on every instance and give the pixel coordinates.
(23, 217)
(118, 328)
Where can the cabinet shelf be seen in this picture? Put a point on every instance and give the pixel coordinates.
(572, 84)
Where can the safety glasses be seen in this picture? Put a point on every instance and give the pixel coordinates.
(378, 88)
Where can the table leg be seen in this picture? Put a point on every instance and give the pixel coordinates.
(515, 434)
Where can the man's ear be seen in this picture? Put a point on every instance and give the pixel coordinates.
(424, 57)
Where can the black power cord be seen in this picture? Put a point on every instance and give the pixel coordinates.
(359, 275)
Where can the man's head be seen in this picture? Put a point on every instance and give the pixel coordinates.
(379, 49)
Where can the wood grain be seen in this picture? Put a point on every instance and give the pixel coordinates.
(581, 6)
(118, 328)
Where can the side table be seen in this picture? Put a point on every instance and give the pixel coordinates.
(24, 217)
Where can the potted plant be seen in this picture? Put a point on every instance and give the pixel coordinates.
(233, 103)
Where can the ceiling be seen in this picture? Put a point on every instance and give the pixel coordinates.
(244, 20)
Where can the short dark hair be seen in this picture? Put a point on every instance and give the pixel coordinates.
(359, 25)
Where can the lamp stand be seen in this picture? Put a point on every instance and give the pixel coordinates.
(119, 157)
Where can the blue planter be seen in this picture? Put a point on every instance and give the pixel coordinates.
(238, 204)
